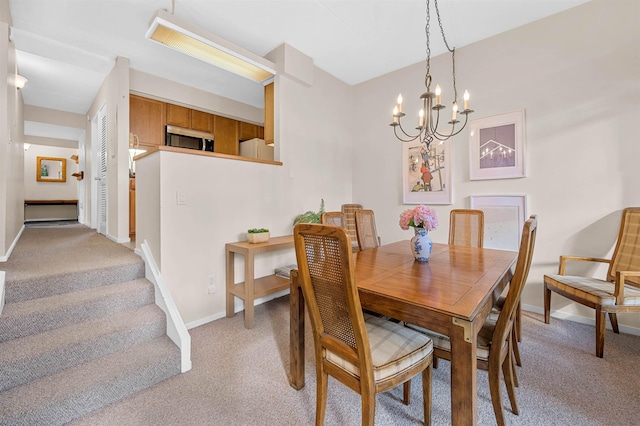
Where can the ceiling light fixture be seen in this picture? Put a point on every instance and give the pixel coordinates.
(20, 81)
(172, 32)
(429, 115)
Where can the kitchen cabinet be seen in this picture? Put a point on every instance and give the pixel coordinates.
(147, 120)
(178, 116)
(269, 113)
(225, 135)
(202, 121)
(250, 131)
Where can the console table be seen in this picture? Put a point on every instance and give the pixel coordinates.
(252, 288)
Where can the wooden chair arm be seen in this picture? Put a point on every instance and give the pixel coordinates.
(621, 276)
(564, 259)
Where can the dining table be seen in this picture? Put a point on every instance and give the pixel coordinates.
(452, 294)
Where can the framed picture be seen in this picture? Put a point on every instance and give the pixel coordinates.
(426, 173)
(504, 217)
(497, 147)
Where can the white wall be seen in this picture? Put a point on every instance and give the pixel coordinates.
(577, 75)
(227, 197)
(11, 142)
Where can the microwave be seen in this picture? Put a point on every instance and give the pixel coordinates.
(180, 137)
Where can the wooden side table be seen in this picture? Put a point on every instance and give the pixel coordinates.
(253, 288)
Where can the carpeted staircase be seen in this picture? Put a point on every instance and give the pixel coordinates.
(73, 341)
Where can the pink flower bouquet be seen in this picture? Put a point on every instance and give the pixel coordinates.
(419, 217)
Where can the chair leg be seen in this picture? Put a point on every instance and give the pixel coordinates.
(512, 359)
(547, 304)
(321, 396)
(435, 361)
(406, 392)
(426, 393)
(496, 398)
(509, 380)
(368, 408)
(516, 349)
(600, 329)
(613, 317)
(518, 323)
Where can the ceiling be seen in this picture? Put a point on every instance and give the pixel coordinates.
(66, 48)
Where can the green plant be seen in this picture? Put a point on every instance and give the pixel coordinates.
(310, 216)
(257, 230)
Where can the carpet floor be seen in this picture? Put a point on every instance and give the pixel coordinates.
(239, 377)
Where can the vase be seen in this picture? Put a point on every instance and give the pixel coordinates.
(421, 244)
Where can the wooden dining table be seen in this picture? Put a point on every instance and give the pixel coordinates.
(452, 294)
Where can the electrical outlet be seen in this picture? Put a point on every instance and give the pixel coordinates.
(212, 284)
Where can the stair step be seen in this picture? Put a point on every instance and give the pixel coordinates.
(76, 391)
(39, 355)
(36, 316)
(34, 287)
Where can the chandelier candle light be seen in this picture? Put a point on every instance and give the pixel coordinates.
(429, 115)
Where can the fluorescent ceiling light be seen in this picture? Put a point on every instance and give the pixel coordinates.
(170, 31)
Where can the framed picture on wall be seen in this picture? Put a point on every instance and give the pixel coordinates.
(504, 217)
(497, 147)
(426, 173)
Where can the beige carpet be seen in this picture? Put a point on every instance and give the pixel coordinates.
(239, 377)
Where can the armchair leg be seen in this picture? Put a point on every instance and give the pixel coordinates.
(614, 322)
(406, 392)
(600, 329)
(547, 304)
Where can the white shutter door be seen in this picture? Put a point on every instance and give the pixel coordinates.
(102, 176)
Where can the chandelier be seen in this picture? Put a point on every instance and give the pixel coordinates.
(429, 116)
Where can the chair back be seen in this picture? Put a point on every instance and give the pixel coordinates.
(333, 218)
(366, 229)
(326, 275)
(508, 312)
(626, 256)
(349, 211)
(466, 227)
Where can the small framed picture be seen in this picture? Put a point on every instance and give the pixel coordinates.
(497, 147)
(426, 173)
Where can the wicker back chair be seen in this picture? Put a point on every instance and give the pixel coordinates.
(349, 211)
(368, 355)
(619, 292)
(366, 229)
(495, 339)
(333, 218)
(466, 227)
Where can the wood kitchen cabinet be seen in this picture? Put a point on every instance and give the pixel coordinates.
(250, 131)
(147, 120)
(225, 135)
(178, 116)
(132, 208)
(202, 121)
(269, 114)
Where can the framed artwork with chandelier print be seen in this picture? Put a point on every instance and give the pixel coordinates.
(426, 174)
(497, 147)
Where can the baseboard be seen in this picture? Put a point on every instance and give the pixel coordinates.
(1, 291)
(580, 319)
(118, 240)
(238, 307)
(12, 246)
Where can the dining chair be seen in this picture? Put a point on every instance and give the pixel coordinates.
(367, 354)
(366, 229)
(618, 292)
(349, 211)
(333, 218)
(466, 227)
(495, 338)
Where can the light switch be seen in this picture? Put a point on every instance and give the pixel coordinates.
(181, 198)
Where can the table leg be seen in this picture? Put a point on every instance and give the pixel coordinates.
(248, 290)
(464, 379)
(230, 283)
(296, 333)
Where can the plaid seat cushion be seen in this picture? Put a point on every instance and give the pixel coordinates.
(485, 334)
(394, 348)
(592, 289)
